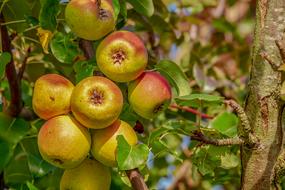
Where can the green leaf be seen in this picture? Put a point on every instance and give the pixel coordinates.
(31, 186)
(144, 7)
(229, 161)
(37, 166)
(84, 69)
(130, 157)
(13, 130)
(116, 5)
(5, 58)
(195, 100)
(175, 76)
(64, 48)
(226, 123)
(17, 171)
(6, 152)
(48, 13)
(128, 115)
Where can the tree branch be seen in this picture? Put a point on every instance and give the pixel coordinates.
(281, 46)
(24, 63)
(191, 110)
(199, 136)
(11, 74)
(87, 48)
(136, 180)
(279, 170)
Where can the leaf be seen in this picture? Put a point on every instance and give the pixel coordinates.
(144, 7)
(229, 161)
(5, 58)
(48, 13)
(128, 115)
(13, 130)
(175, 76)
(84, 69)
(45, 37)
(116, 5)
(31, 186)
(130, 157)
(6, 152)
(17, 171)
(64, 48)
(226, 123)
(195, 100)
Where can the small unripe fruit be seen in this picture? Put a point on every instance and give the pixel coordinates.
(90, 19)
(149, 95)
(63, 142)
(51, 96)
(96, 102)
(89, 175)
(104, 141)
(122, 56)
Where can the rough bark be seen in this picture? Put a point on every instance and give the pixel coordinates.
(263, 105)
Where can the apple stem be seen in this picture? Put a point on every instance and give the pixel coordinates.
(136, 179)
(191, 110)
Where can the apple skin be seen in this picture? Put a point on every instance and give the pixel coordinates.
(104, 142)
(122, 56)
(63, 142)
(96, 102)
(51, 96)
(89, 175)
(89, 19)
(149, 94)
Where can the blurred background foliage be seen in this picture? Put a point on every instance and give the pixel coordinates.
(209, 39)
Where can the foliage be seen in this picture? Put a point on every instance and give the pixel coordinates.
(202, 50)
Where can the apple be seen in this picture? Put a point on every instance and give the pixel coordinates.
(122, 56)
(149, 94)
(96, 102)
(51, 96)
(89, 175)
(63, 142)
(104, 141)
(90, 19)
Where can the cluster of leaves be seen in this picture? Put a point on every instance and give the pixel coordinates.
(208, 43)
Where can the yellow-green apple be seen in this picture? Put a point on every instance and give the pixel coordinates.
(96, 102)
(63, 142)
(51, 96)
(89, 175)
(90, 19)
(149, 94)
(104, 141)
(122, 56)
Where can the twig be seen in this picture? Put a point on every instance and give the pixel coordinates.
(245, 130)
(24, 63)
(14, 85)
(136, 180)
(281, 46)
(191, 110)
(265, 56)
(199, 136)
(87, 48)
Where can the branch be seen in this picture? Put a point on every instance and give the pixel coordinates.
(265, 56)
(279, 170)
(191, 110)
(136, 180)
(87, 48)
(199, 136)
(281, 46)
(24, 63)
(11, 74)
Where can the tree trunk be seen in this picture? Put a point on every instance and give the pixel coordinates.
(263, 105)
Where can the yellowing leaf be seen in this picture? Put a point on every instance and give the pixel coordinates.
(45, 37)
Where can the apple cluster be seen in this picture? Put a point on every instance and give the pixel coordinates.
(85, 118)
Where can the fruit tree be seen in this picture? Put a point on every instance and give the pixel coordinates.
(142, 94)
